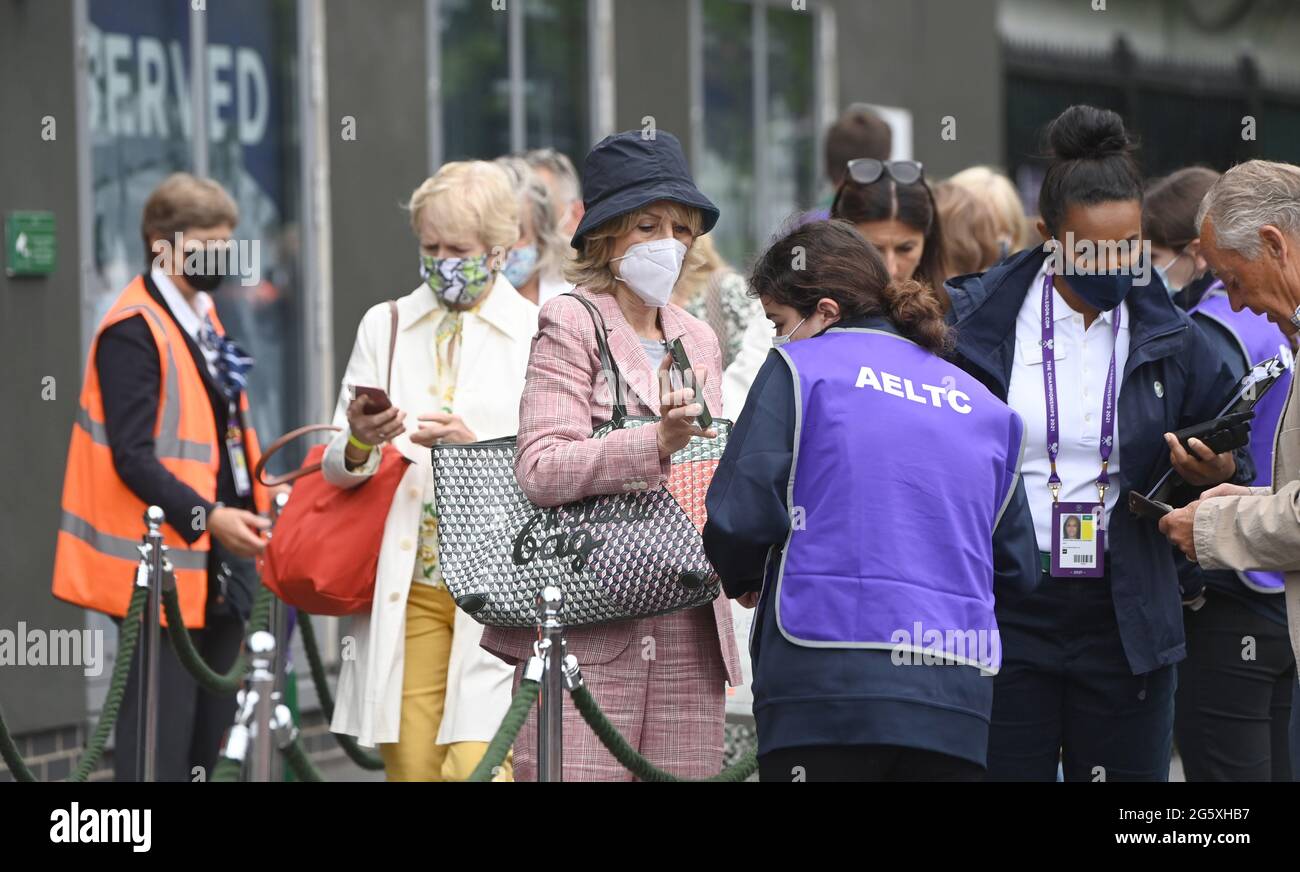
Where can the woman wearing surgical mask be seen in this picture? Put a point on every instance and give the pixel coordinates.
(1100, 376)
(534, 264)
(660, 680)
(870, 499)
(1169, 224)
(1231, 713)
(420, 686)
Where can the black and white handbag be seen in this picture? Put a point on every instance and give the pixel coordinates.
(614, 556)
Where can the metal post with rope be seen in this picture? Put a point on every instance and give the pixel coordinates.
(153, 563)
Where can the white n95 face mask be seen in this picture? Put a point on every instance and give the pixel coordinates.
(651, 269)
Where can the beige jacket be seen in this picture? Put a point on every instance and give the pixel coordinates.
(490, 379)
(1262, 530)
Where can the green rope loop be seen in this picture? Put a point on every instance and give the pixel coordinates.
(639, 766)
(128, 637)
(183, 643)
(358, 755)
(497, 749)
(227, 770)
(14, 760)
(300, 763)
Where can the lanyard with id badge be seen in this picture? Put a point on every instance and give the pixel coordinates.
(235, 450)
(1078, 529)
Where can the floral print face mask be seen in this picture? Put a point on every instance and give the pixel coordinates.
(456, 282)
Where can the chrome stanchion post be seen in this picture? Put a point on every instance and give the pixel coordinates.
(149, 575)
(238, 736)
(261, 645)
(550, 708)
(280, 627)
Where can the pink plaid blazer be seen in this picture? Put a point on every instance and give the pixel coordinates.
(565, 398)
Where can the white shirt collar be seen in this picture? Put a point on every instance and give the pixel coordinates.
(189, 316)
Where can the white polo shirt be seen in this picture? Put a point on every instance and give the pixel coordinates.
(1082, 360)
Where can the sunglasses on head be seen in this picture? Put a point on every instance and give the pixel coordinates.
(868, 170)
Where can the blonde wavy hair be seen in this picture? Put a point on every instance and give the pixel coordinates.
(591, 268)
(996, 189)
(472, 195)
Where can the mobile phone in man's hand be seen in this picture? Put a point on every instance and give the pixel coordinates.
(1144, 507)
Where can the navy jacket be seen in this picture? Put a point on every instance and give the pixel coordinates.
(828, 696)
(1174, 377)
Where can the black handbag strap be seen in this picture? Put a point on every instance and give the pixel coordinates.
(607, 364)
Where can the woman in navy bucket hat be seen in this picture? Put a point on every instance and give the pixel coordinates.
(630, 170)
(661, 680)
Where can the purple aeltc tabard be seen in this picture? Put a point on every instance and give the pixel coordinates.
(903, 465)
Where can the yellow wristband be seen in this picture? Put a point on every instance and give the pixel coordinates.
(357, 443)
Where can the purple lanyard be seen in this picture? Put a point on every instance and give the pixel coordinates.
(1049, 390)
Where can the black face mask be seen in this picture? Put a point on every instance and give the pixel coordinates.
(210, 273)
(207, 282)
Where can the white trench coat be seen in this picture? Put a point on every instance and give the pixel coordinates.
(495, 343)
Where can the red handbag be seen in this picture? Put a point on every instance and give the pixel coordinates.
(323, 554)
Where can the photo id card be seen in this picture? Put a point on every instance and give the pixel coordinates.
(1078, 539)
(238, 461)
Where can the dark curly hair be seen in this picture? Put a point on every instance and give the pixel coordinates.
(831, 259)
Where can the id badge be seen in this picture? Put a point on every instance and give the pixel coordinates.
(1078, 540)
(238, 461)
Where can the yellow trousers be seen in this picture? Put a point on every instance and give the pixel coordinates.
(416, 755)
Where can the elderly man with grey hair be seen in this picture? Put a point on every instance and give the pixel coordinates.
(1250, 236)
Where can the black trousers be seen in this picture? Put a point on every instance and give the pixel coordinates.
(1233, 706)
(191, 721)
(1065, 692)
(864, 763)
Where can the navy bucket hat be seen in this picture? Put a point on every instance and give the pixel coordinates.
(626, 172)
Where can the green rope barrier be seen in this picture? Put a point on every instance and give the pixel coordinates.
(128, 637)
(9, 751)
(127, 640)
(358, 755)
(497, 749)
(639, 766)
(183, 643)
(227, 770)
(300, 763)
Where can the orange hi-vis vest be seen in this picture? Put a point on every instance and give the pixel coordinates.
(103, 520)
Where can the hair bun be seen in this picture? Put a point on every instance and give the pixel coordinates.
(1087, 133)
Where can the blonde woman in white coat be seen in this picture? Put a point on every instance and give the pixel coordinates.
(414, 680)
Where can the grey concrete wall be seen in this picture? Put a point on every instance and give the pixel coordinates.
(935, 57)
(40, 336)
(651, 76)
(376, 73)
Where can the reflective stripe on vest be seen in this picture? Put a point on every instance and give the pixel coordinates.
(125, 549)
(168, 444)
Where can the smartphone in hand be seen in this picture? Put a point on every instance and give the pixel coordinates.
(683, 363)
(376, 399)
(1225, 433)
(1145, 507)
